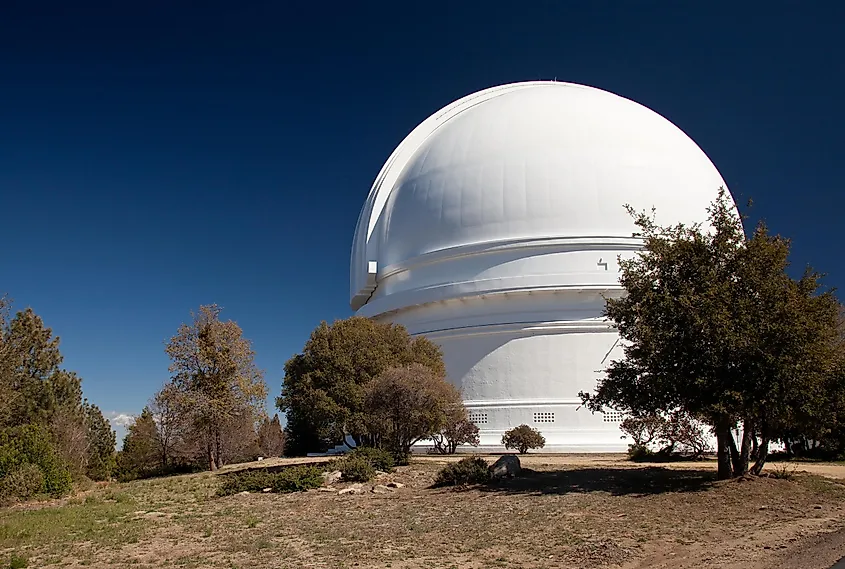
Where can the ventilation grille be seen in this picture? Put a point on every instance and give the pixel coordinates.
(544, 417)
(478, 418)
(613, 417)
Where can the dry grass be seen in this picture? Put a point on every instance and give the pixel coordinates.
(563, 513)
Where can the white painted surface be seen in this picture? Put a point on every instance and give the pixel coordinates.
(495, 229)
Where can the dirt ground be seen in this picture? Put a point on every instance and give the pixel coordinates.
(567, 511)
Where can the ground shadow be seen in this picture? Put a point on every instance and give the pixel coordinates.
(615, 481)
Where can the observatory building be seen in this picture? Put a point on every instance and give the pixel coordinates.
(495, 229)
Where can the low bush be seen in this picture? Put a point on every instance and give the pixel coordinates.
(466, 471)
(298, 479)
(17, 562)
(32, 445)
(639, 452)
(25, 482)
(249, 481)
(291, 479)
(782, 472)
(380, 459)
(354, 468)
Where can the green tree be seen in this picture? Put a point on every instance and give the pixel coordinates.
(140, 454)
(407, 404)
(214, 371)
(523, 438)
(101, 441)
(323, 390)
(31, 357)
(712, 326)
(271, 437)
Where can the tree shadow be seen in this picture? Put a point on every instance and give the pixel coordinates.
(615, 481)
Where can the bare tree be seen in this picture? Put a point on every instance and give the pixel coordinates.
(168, 411)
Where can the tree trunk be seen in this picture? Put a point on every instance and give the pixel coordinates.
(212, 464)
(723, 451)
(740, 465)
(754, 446)
(761, 458)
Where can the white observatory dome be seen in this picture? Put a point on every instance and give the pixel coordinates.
(495, 227)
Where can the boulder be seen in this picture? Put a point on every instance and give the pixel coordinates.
(381, 489)
(330, 478)
(354, 489)
(266, 490)
(395, 485)
(506, 467)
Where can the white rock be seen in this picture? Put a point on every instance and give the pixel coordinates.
(267, 490)
(381, 489)
(395, 485)
(507, 466)
(330, 478)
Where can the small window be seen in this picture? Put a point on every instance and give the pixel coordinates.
(544, 417)
(613, 417)
(478, 418)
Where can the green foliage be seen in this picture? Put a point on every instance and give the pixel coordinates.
(141, 450)
(378, 458)
(523, 438)
(31, 445)
(639, 452)
(354, 468)
(217, 384)
(291, 479)
(675, 434)
(298, 479)
(17, 562)
(472, 470)
(323, 390)
(714, 327)
(407, 404)
(24, 482)
(101, 441)
(271, 437)
(31, 357)
(248, 481)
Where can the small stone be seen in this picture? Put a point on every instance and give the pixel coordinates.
(381, 489)
(817, 507)
(266, 490)
(354, 489)
(330, 478)
(324, 489)
(244, 493)
(764, 507)
(395, 485)
(380, 473)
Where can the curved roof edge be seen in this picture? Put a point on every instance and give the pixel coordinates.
(363, 262)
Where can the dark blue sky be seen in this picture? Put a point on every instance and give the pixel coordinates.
(155, 156)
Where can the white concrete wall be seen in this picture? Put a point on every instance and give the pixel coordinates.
(514, 356)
